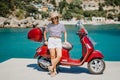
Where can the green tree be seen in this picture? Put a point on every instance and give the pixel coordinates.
(71, 6)
(37, 1)
(77, 3)
(54, 3)
(32, 9)
(100, 7)
(94, 13)
(7, 6)
(87, 13)
(71, 10)
(110, 16)
(4, 9)
(119, 17)
(67, 15)
(20, 14)
(44, 14)
(63, 5)
(112, 2)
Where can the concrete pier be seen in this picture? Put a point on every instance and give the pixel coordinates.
(27, 69)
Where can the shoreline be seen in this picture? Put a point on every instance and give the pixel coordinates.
(30, 22)
(66, 23)
(87, 23)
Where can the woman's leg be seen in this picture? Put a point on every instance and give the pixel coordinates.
(52, 55)
(56, 60)
(58, 57)
(55, 54)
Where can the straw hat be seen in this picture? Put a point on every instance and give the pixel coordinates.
(53, 14)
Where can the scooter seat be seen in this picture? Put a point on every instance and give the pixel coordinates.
(67, 45)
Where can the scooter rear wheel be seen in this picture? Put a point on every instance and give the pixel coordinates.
(96, 66)
(43, 63)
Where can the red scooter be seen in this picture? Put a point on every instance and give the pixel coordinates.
(94, 58)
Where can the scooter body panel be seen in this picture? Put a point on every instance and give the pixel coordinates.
(95, 55)
(70, 62)
(44, 51)
(87, 46)
(65, 59)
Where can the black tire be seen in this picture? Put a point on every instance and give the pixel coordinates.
(43, 63)
(96, 66)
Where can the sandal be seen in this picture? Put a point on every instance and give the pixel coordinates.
(50, 69)
(53, 74)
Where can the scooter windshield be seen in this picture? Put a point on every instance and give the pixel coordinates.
(83, 30)
(81, 27)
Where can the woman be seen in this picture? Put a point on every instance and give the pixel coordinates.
(55, 30)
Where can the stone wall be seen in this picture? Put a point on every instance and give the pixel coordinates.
(29, 22)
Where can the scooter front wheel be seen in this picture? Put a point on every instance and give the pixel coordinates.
(43, 63)
(96, 66)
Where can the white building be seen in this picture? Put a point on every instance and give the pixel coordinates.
(90, 5)
(98, 19)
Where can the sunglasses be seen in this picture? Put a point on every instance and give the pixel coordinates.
(55, 18)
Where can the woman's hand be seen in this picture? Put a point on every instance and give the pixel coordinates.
(46, 42)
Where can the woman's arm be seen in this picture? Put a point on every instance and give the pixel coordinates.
(45, 35)
(45, 38)
(65, 36)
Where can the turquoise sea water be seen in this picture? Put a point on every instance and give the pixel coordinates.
(14, 42)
